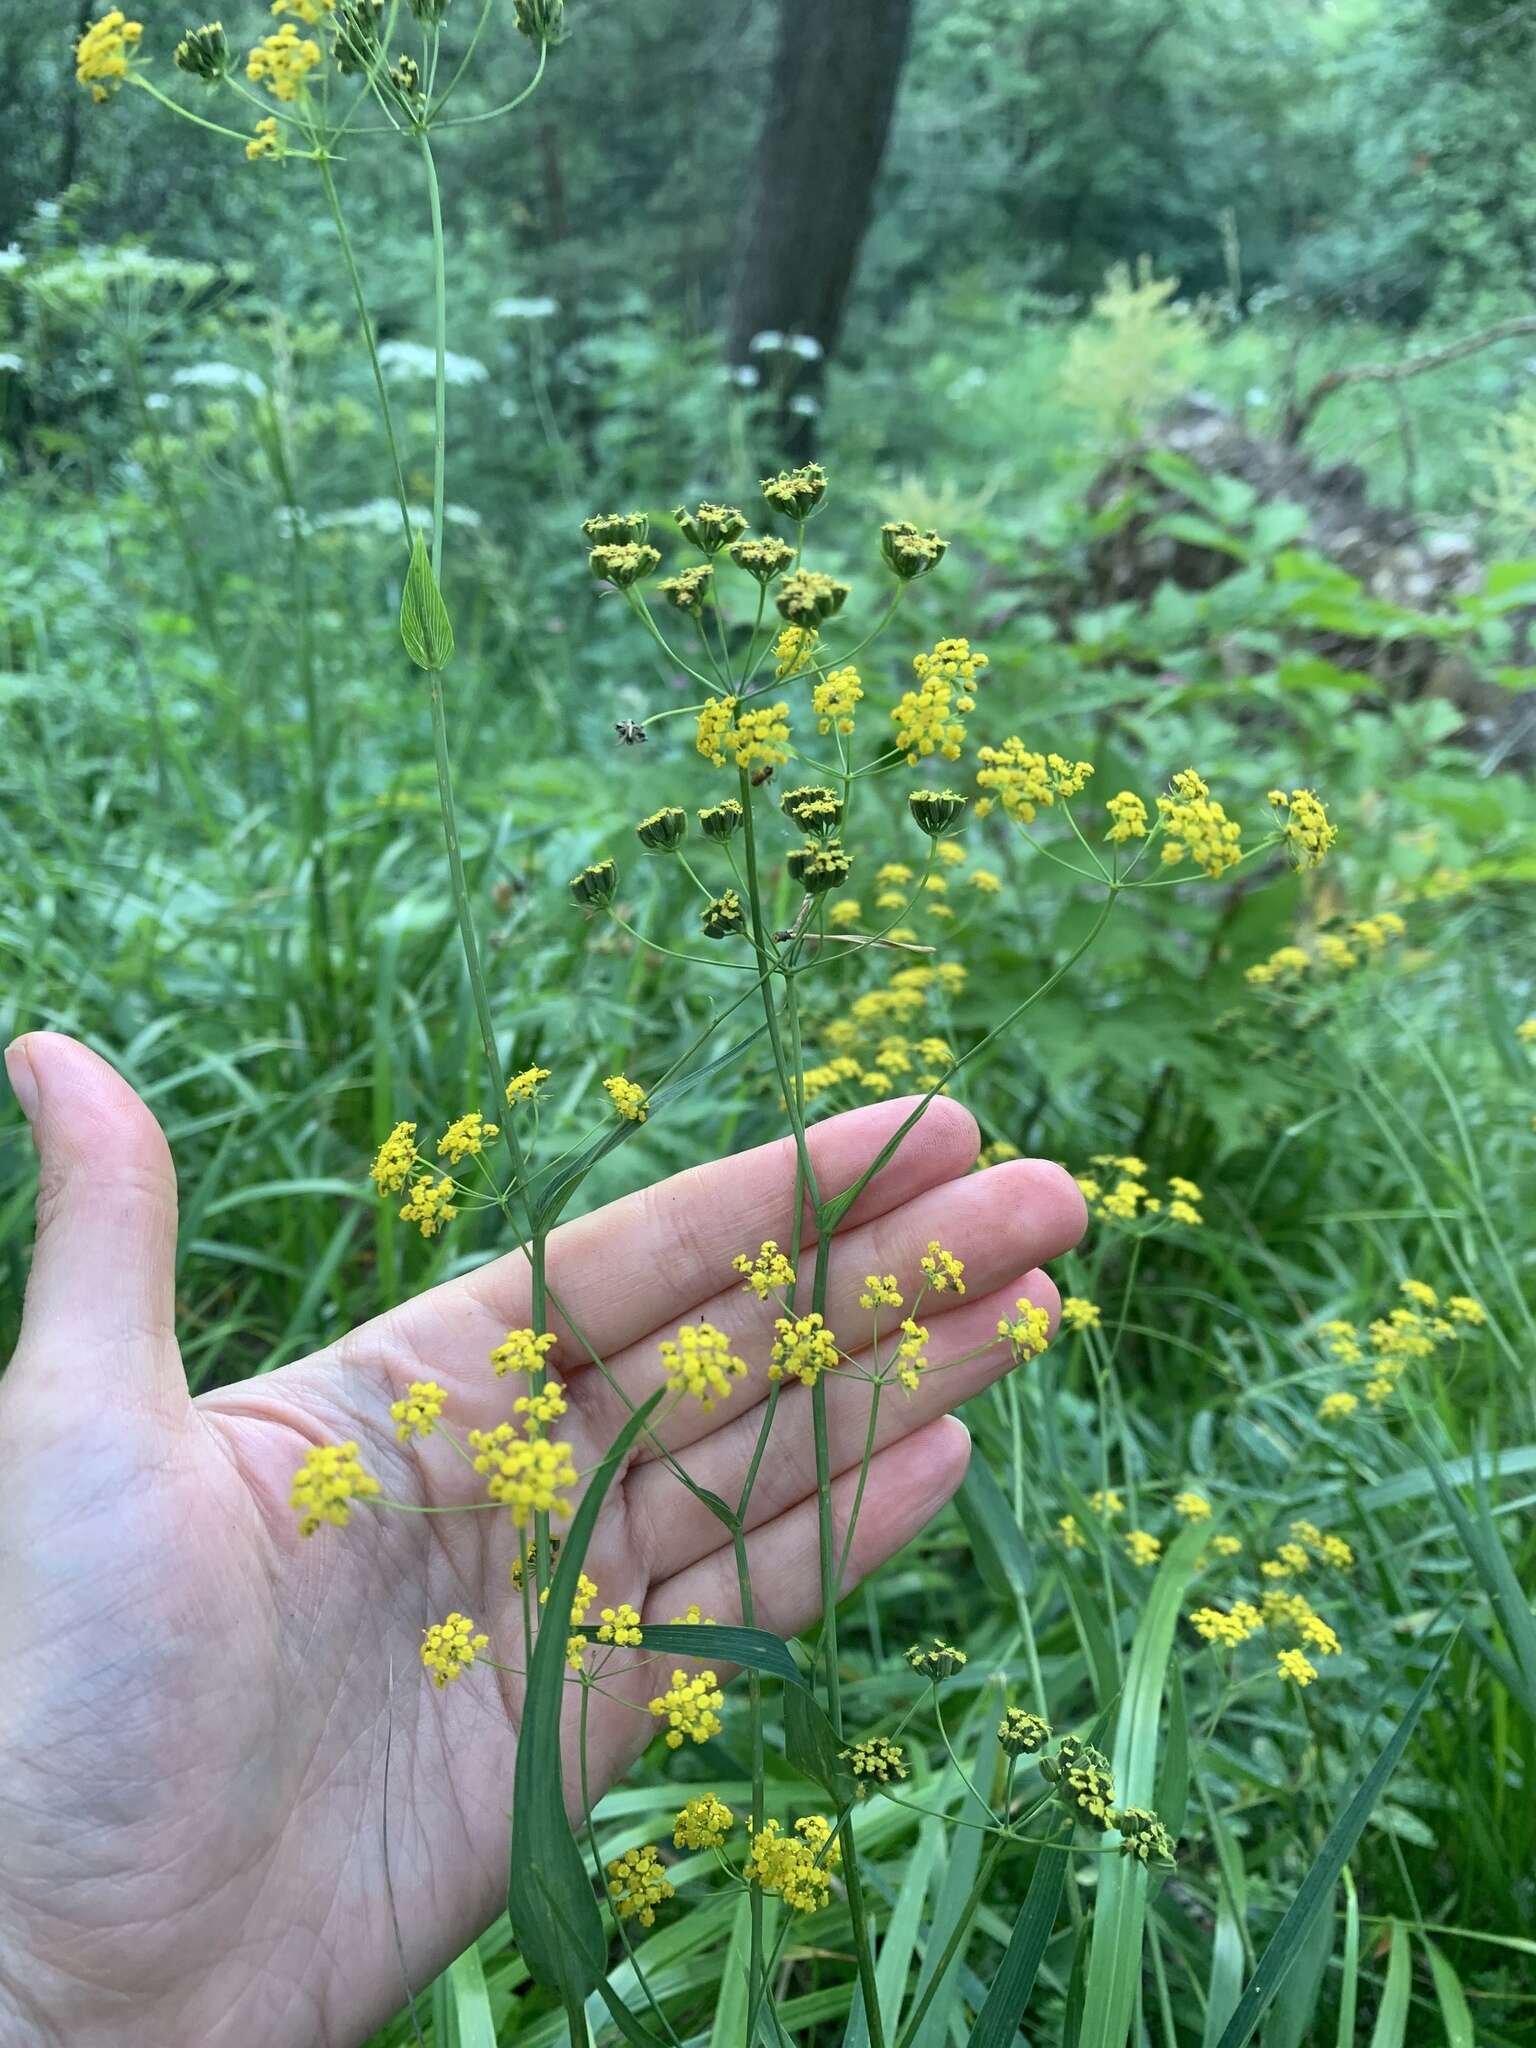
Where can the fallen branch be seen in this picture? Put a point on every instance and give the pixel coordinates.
(1302, 411)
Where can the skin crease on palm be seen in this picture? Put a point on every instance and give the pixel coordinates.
(197, 1700)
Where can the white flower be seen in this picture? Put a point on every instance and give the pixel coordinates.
(413, 359)
(770, 338)
(742, 374)
(806, 404)
(10, 361)
(220, 377)
(526, 309)
(806, 346)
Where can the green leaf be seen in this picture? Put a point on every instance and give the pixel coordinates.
(1296, 2000)
(425, 626)
(813, 1746)
(998, 2020)
(997, 1543)
(1226, 1974)
(1392, 2014)
(1455, 2013)
(1349, 1974)
(1317, 1886)
(1114, 1964)
(550, 1901)
(709, 1640)
(465, 2004)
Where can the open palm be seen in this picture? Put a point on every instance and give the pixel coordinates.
(223, 1777)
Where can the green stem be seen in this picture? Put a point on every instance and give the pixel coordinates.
(365, 320)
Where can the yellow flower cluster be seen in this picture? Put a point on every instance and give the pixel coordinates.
(637, 1885)
(1198, 829)
(1229, 1627)
(586, 1593)
(835, 698)
(703, 1823)
(430, 1205)
(522, 1351)
(941, 1269)
(1080, 1314)
(880, 1291)
(266, 141)
(465, 1137)
(797, 1867)
(1292, 1664)
(1367, 936)
(1027, 1330)
(1072, 1537)
(911, 1354)
(1128, 818)
(700, 1361)
(103, 52)
(1295, 1611)
(524, 1086)
(330, 1477)
(628, 1098)
(803, 1348)
(282, 62)
(417, 1413)
(1141, 1547)
(793, 652)
(928, 719)
(755, 737)
(1024, 782)
(621, 1626)
(529, 1475)
(1329, 1549)
(876, 1758)
(392, 1163)
(690, 1707)
(1392, 1343)
(1127, 1199)
(1191, 1507)
(537, 1411)
(766, 1272)
(449, 1648)
(1308, 833)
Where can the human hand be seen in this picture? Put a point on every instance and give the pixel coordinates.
(198, 1702)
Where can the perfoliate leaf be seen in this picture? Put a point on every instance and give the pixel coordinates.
(425, 626)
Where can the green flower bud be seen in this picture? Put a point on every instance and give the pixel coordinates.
(405, 77)
(723, 917)
(1021, 1734)
(623, 562)
(688, 590)
(595, 886)
(796, 492)
(936, 811)
(819, 868)
(813, 808)
(711, 527)
(663, 830)
(722, 820)
(808, 597)
(542, 21)
(204, 52)
(908, 552)
(938, 1660)
(763, 558)
(429, 11)
(358, 27)
(1143, 1836)
(615, 529)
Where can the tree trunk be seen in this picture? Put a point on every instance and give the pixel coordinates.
(835, 75)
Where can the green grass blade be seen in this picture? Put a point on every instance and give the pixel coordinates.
(1114, 1964)
(1226, 1981)
(998, 2021)
(467, 2004)
(1455, 2013)
(550, 1902)
(726, 1645)
(1317, 1886)
(1349, 1988)
(1392, 2014)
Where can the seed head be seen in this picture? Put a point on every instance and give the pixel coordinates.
(722, 820)
(909, 552)
(936, 811)
(664, 830)
(616, 529)
(595, 886)
(204, 52)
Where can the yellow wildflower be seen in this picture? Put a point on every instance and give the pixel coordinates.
(537, 1411)
(834, 699)
(524, 1086)
(1198, 829)
(1142, 1548)
(911, 1354)
(941, 1269)
(431, 1205)
(102, 54)
(1027, 1331)
(792, 652)
(637, 1885)
(1292, 1664)
(329, 1478)
(282, 62)
(797, 1867)
(450, 1647)
(392, 1163)
(1192, 1507)
(465, 1137)
(1308, 833)
(768, 1271)
(1072, 1537)
(628, 1098)
(1024, 782)
(529, 1475)
(267, 141)
(522, 1351)
(1106, 1503)
(703, 1823)
(1337, 1407)
(880, 1291)
(803, 1349)
(621, 1626)
(690, 1707)
(1128, 816)
(700, 1361)
(417, 1413)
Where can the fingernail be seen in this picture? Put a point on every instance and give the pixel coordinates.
(22, 1079)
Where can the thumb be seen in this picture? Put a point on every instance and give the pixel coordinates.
(100, 1306)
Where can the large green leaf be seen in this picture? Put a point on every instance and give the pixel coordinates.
(754, 1647)
(1317, 1886)
(550, 1901)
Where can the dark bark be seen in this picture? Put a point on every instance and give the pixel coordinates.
(835, 75)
